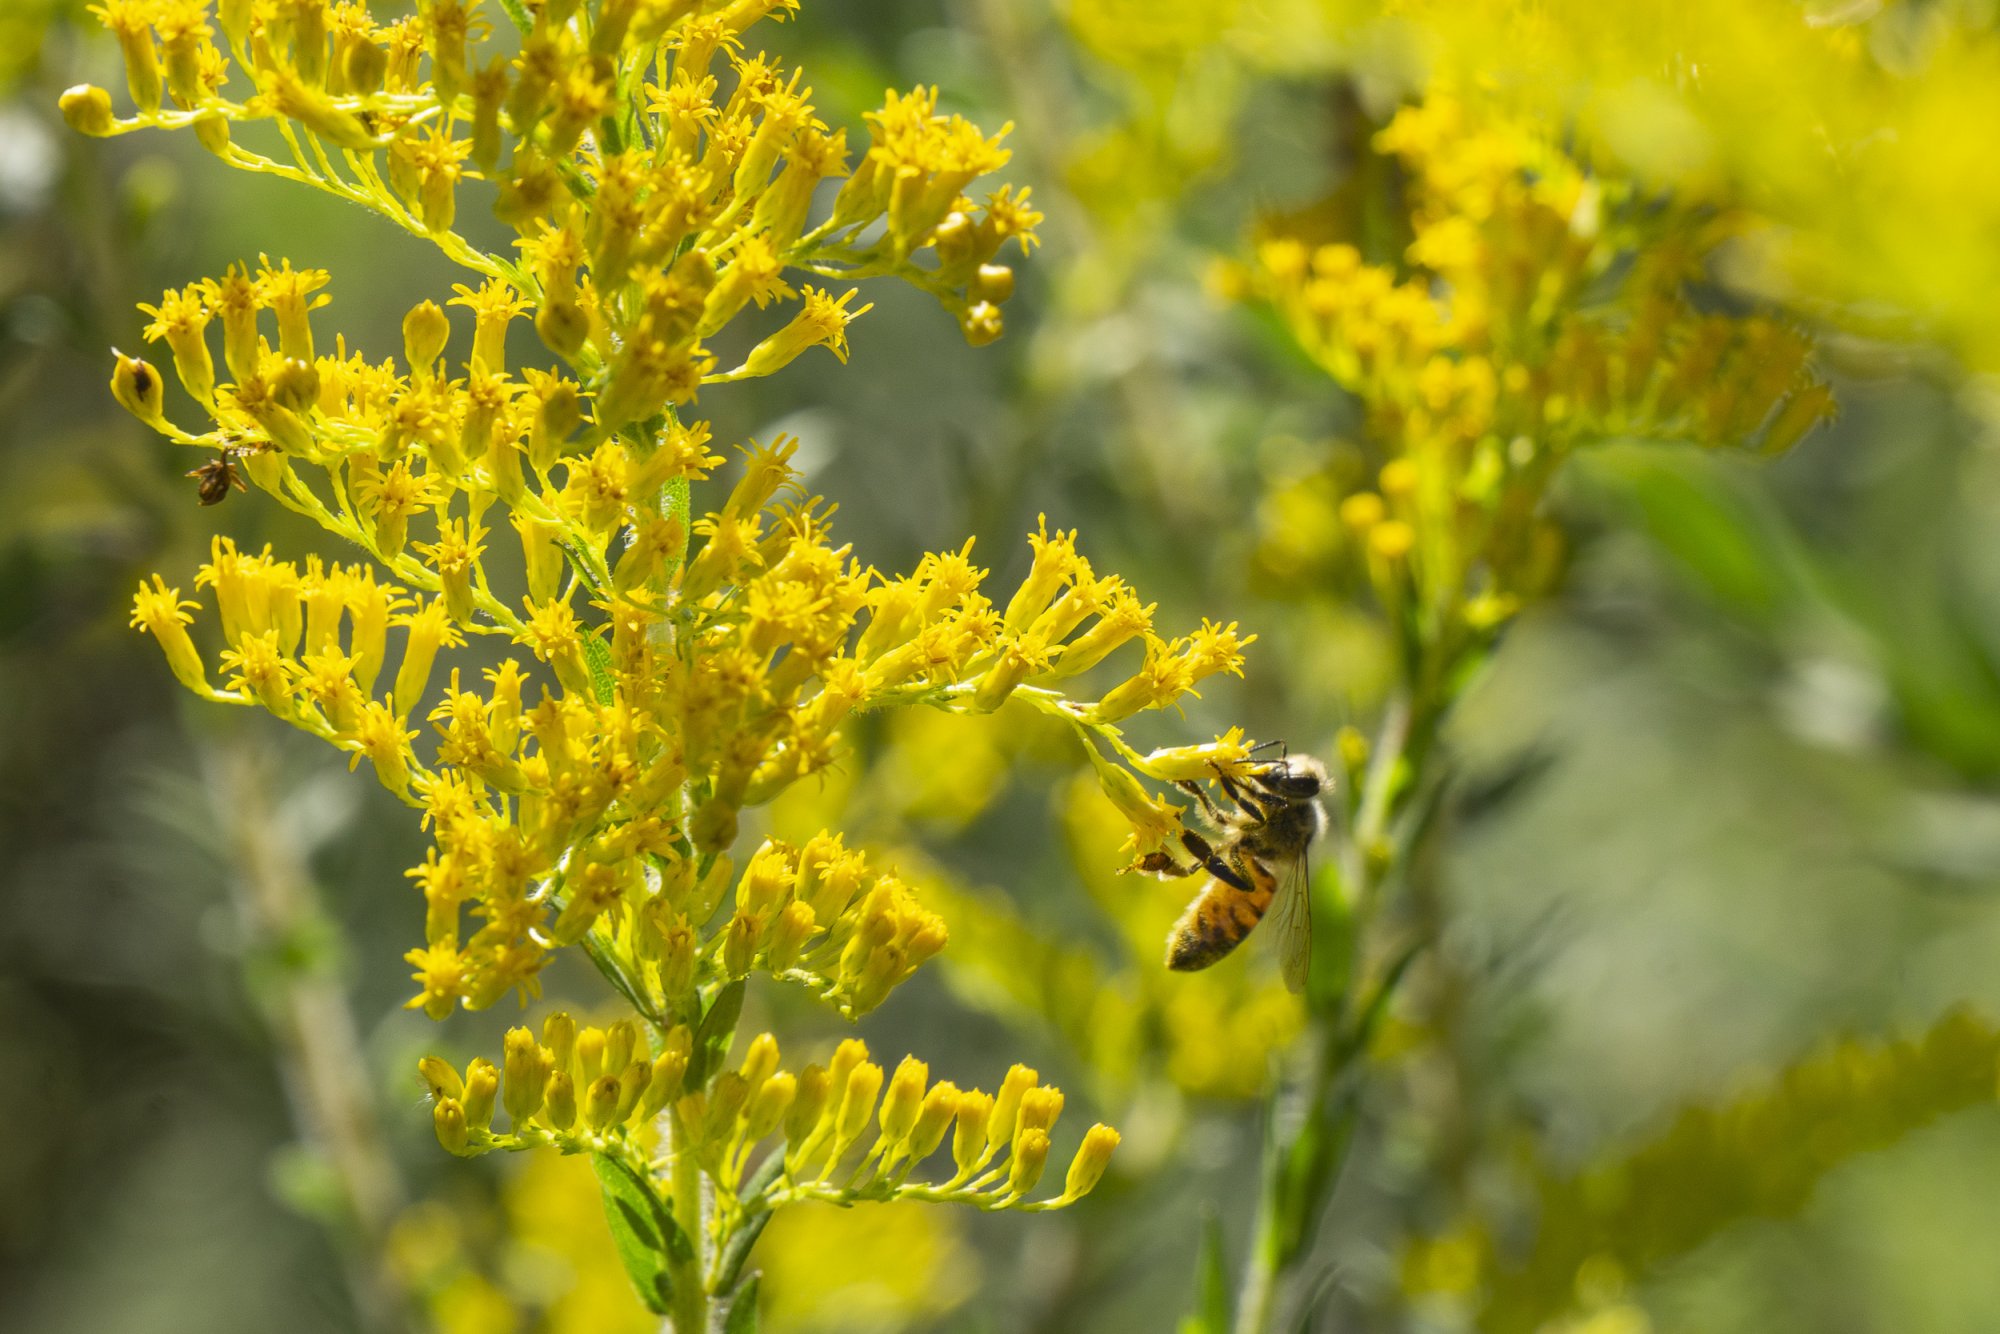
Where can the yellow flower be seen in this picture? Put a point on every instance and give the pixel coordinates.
(822, 322)
(162, 613)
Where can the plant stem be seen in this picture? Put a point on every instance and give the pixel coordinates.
(690, 1313)
(1311, 1126)
(317, 1043)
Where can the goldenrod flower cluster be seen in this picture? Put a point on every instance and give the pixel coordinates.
(700, 664)
(673, 651)
(596, 1090)
(661, 177)
(1540, 308)
(608, 803)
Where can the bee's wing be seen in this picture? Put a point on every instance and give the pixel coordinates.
(1291, 919)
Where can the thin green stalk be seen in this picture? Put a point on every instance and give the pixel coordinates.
(1304, 1153)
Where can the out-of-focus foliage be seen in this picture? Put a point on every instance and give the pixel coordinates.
(1757, 1156)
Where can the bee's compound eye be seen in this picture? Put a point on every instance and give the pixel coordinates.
(1301, 778)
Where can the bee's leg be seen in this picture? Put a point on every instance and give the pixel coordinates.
(1245, 800)
(1212, 862)
(1160, 864)
(1208, 806)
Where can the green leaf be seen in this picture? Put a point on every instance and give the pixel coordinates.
(717, 1031)
(518, 14)
(743, 1309)
(580, 563)
(648, 1239)
(674, 504)
(597, 656)
(1705, 518)
(1211, 1294)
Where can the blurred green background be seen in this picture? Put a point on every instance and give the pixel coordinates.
(1735, 785)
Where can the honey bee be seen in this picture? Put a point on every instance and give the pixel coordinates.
(1256, 866)
(216, 477)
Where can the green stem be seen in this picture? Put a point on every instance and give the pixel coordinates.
(1301, 1167)
(690, 1305)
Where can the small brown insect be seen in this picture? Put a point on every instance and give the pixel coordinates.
(216, 477)
(1258, 865)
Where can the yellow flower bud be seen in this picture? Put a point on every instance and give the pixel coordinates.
(600, 1103)
(620, 1041)
(1391, 540)
(727, 1097)
(1039, 1109)
(904, 1101)
(766, 881)
(933, 1119)
(955, 239)
(760, 1060)
(142, 64)
(1398, 478)
(556, 419)
(559, 1103)
(669, 1070)
(526, 1065)
(1092, 1156)
(788, 936)
(1031, 1152)
(1007, 1105)
(448, 1119)
(589, 1054)
(563, 326)
(857, 1103)
(1361, 511)
(482, 1086)
(632, 1086)
(850, 1053)
(437, 199)
(294, 385)
(425, 331)
(139, 390)
(809, 1098)
(768, 1106)
(440, 1078)
(87, 109)
(982, 324)
(678, 947)
(364, 65)
(1351, 745)
(559, 1036)
(968, 1141)
(739, 946)
(993, 282)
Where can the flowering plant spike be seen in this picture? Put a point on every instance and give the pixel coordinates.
(672, 662)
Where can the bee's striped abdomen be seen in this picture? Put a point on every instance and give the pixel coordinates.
(1218, 919)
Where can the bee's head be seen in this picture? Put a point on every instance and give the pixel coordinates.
(1295, 778)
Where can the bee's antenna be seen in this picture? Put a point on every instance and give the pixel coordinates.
(1266, 745)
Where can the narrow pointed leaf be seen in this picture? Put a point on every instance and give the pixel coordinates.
(645, 1234)
(743, 1309)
